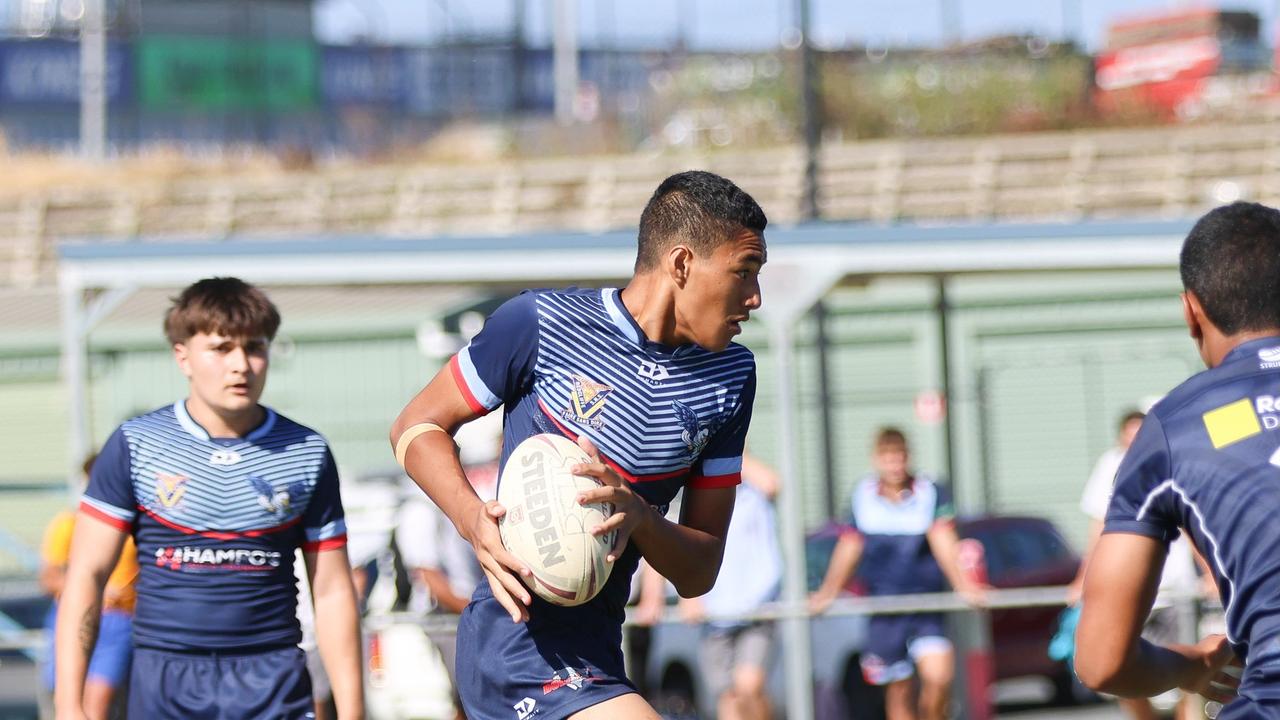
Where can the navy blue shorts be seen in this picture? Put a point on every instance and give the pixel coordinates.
(560, 662)
(895, 641)
(1242, 709)
(220, 686)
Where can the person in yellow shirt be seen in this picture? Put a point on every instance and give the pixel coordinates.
(109, 666)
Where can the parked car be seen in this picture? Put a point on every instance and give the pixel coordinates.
(1026, 552)
(1019, 552)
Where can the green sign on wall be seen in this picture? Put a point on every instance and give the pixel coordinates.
(225, 73)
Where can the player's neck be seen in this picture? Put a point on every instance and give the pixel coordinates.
(1217, 346)
(652, 304)
(224, 424)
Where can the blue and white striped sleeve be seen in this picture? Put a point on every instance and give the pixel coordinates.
(109, 496)
(497, 365)
(720, 464)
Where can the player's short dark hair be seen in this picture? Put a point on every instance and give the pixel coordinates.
(1231, 262)
(1131, 415)
(698, 208)
(890, 437)
(223, 305)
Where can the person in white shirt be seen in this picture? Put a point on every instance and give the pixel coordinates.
(1178, 580)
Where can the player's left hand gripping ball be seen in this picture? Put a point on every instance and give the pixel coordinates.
(629, 509)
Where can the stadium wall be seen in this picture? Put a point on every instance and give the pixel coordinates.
(1043, 367)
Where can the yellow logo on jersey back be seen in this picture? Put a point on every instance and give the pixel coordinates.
(1231, 423)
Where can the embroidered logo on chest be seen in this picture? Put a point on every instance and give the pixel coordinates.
(170, 488)
(652, 372)
(587, 401)
(694, 432)
(276, 502)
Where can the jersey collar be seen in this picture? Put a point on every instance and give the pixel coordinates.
(628, 326)
(1266, 349)
(193, 428)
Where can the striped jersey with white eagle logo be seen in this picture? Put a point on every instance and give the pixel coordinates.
(574, 362)
(216, 522)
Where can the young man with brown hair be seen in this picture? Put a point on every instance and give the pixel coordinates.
(217, 491)
(903, 526)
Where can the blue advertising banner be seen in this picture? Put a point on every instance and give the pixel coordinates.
(362, 76)
(47, 72)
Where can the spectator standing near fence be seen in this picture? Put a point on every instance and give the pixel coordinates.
(106, 679)
(736, 653)
(1178, 580)
(902, 538)
(217, 491)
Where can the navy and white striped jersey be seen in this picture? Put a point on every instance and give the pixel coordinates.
(1206, 460)
(896, 557)
(574, 362)
(216, 522)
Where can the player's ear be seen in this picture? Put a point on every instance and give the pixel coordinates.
(1193, 315)
(679, 258)
(181, 355)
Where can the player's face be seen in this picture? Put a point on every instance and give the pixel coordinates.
(891, 464)
(722, 289)
(1129, 432)
(226, 375)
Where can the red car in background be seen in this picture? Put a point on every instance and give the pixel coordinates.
(1026, 552)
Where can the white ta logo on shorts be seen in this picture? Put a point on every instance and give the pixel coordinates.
(524, 708)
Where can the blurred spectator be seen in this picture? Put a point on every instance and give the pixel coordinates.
(649, 598)
(1178, 579)
(736, 653)
(903, 525)
(442, 567)
(105, 693)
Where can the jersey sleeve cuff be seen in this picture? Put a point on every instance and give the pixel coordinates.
(478, 396)
(110, 514)
(1138, 527)
(704, 482)
(332, 543)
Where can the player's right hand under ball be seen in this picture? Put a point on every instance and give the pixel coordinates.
(1218, 674)
(500, 566)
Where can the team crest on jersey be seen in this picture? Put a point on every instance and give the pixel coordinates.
(170, 488)
(588, 398)
(695, 433)
(275, 501)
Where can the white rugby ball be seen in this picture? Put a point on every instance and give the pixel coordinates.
(546, 527)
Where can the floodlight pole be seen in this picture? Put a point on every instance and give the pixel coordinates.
(565, 59)
(811, 111)
(93, 81)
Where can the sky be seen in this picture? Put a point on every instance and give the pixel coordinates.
(744, 24)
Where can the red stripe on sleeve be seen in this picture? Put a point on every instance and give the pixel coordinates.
(716, 481)
(332, 543)
(97, 514)
(456, 370)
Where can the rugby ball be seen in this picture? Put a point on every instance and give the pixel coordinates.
(545, 526)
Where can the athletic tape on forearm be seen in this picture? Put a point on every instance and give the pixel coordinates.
(410, 434)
